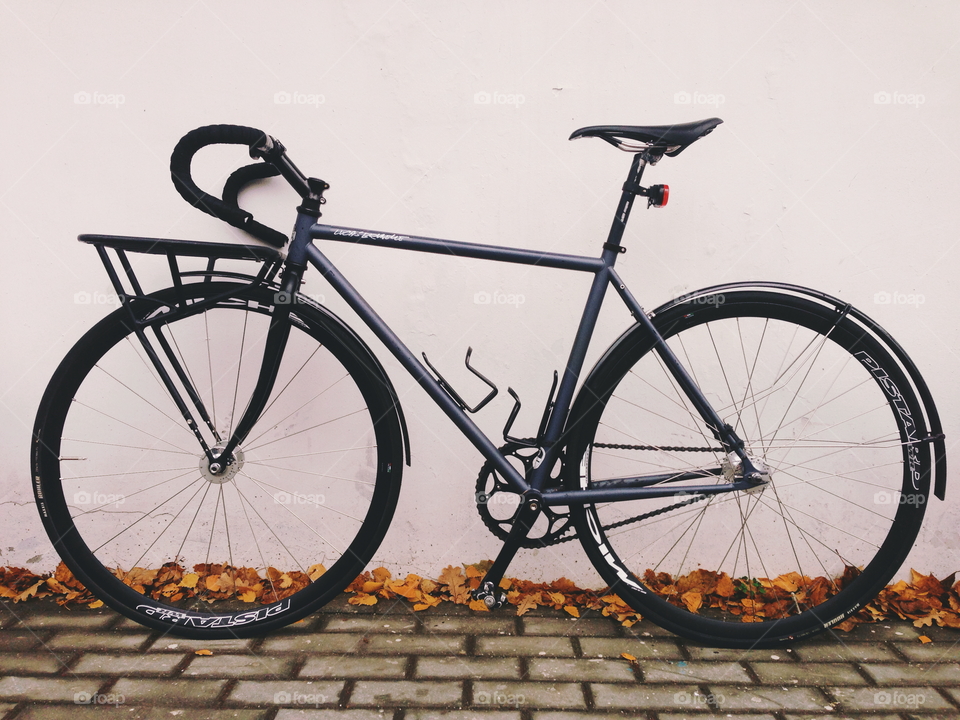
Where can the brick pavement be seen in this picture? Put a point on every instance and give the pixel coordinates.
(387, 662)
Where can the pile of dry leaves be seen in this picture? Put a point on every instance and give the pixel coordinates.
(924, 600)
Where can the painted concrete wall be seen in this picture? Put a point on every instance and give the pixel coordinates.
(837, 167)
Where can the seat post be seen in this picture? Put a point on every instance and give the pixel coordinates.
(612, 247)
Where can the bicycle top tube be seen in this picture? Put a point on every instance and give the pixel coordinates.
(456, 248)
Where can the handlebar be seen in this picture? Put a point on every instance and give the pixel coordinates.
(261, 146)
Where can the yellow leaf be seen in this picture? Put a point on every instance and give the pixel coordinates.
(372, 587)
(285, 581)
(924, 639)
(203, 652)
(363, 600)
(628, 656)
(99, 603)
(315, 571)
(572, 610)
(212, 582)
(527, 603)
(420, 606)
(693, 600)
(629, 623)
(249, 596)
(381, 574)
(479, 606)
(189, 580)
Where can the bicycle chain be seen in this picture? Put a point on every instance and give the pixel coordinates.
(667, 448)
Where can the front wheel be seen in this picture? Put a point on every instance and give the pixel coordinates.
(127, 495)
(828, 417)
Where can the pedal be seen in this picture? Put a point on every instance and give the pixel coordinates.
(487, 593)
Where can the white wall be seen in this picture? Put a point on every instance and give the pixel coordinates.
(809, 180)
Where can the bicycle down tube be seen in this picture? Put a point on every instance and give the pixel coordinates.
(603, 274)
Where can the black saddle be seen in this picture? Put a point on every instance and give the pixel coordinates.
(667, 140)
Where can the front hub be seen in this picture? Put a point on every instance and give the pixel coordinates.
(220, 471)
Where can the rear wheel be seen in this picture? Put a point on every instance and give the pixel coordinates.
(825, 413)
(127, 496)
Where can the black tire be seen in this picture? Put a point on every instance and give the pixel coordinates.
(118, 476)
(819, 401)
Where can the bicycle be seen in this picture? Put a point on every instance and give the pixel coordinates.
(231, 424)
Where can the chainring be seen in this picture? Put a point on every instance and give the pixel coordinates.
(498, 504)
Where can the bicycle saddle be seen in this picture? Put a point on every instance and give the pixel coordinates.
(667, 140)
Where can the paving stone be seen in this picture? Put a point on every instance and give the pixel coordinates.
(417, 714)
(778, 673)
(394, 693)
(300, 694)
(505, 668)
(874, 632)
(693, 672)
(520, 695)
(734, 655)
(838, 716)
(851, 652)
(644, 649)
(532, 646)
(169, 643)
(331, 666)
(371, 624)
(352, 714)
(633, 696)
(589, 670)
(931, 652)
(315, 643)
(168, 692)
(72, 712)
(128, 664)
(902, 674)
(33, 663)
(469, 625)
(416, 644)
(954, 693)
(760, 699)
(893, 700)
(579, 627)
(97, 641)
(19, 640)
(724, 716)
(47, 689)
(237, 666)
(6, 707)
(76, 620)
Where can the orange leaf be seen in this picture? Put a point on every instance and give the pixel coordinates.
(189, 580)
(572, 610)
(99, 603)
(420, 606)
(381, 574)
(693, 600)
(249, 596)
(527, 603)
(363, 600)
(924, 639)
(203, 652)
(315, 571)
(479, 605)
(628, 656)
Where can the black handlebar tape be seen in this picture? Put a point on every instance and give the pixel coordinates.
(243, 176)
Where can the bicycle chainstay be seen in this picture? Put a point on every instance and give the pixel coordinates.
(556, 538)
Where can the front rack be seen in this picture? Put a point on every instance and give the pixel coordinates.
(271, 261)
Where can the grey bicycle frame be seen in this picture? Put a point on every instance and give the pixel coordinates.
(303, 250)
